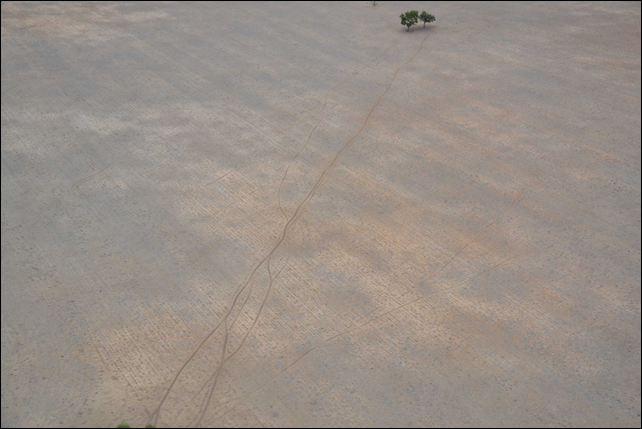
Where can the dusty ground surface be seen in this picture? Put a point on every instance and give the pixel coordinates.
(301, 215)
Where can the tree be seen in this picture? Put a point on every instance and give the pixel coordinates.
(409, 18)
(426, 17)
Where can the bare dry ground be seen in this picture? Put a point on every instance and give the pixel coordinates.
(299, 214)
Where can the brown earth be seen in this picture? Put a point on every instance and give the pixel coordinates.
(272, 214)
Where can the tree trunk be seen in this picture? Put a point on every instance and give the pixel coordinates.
(424, 25)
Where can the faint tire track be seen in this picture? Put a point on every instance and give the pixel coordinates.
(393, 310)
(484, 229)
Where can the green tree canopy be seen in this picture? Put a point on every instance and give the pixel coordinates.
(426, 17)
(409, 18)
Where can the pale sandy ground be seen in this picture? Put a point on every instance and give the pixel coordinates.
(457, 240)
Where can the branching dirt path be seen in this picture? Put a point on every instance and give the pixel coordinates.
(156, 413)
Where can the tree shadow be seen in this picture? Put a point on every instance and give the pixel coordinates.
(421, 29)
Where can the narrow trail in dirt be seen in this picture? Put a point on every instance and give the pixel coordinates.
(296, 215)
(325, 103)
(155, 415)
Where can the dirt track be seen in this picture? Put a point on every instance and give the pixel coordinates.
(302, 215)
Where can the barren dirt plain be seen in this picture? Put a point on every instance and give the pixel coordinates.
(272, 214)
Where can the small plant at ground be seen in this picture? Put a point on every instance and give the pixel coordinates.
(426, 17)
(126, 426)
(409, 18)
